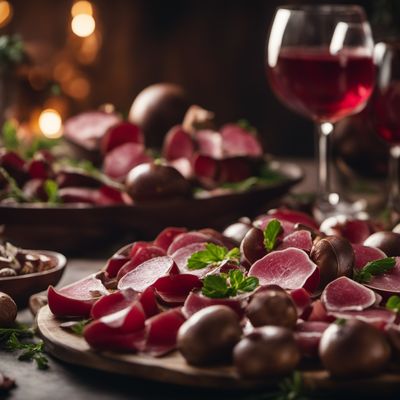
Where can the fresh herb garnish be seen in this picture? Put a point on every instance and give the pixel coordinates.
(246, 125)
(79, 326)
(213, 255)
(271, 233)
(393, 303)
(51, 189)
(373, 268)
(9, 136)
(15, 339)
(13, 189)
(228, 285)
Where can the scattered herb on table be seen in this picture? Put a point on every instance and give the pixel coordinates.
(271, 232)
(213, 255)
(374, 268)
(228, 284)
(393, 303)
(21, 339)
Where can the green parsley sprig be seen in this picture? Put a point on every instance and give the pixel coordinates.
(374, 268)
(271, 232)
(213, 255)
(393, 303)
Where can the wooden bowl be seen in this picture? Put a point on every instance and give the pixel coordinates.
(21, 287)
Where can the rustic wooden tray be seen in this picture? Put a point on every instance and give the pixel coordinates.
(173, 368)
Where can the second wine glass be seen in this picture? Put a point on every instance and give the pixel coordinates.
(320, 63)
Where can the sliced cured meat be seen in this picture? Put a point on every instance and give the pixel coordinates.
(78, 195)
(308, 335)
(113, 303)
(138, 246)
(166, 236)
(184, 239)
(296, 217)
(234, 169)
(86, 129)
(287, 226)
(182, 255)
(387, 284)
(149, 302)
(290, 269)
(365, 254)
(127, 320)
(184, 166)
(108, 195)
(162, 331)
(196, 301)
(145, 274)
(119, 161)
(344, 294)
(174, 289)
(120, 133)
(227, 242)
(205, 169)
(73, 177)
(236, 141)
(319, 312)
(177, 144)
(38, 169)
(299, 239)
(77, 299)
(379, 317)
(302, 301)
(143, 254)
(209, 143)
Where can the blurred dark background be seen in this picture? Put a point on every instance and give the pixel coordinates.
(214, 49)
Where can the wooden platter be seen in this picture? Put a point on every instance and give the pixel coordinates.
(173, 369)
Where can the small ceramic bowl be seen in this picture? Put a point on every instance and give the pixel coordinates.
(21, 287)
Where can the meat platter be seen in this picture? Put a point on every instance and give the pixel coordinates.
(240, 308)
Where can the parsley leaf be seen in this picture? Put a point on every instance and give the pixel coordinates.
(228, 285)
(51, 189)
(393, 303)
(271, 232)
(373, 268)
(212, 254)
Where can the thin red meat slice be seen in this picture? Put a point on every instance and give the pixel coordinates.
(184, 239)
(290, 269)
(308, 335)
(344, 294)
(73, 177)
(166, 236)
(142, 254)
(120, 133)
(387, 284)
(205, 168)
(365, 254)
(236, 141)
(234, 169)
(78, 195)
(77, 299)
(302, 301)
(209, 143)
(196, 302)
(138, 246)
(184, 166)
(296, 217)
(108, 195)
(119, 161)
(299, 239)
(227, 242)
(174, 289)
(86, 129)
(145, 274)
(287, 226)
(379, 317)
(114, 264)
(162, 331)
(149, 303)
(113, 303)
(177, 144)
(319, 313)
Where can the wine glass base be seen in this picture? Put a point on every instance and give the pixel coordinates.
(334, 205)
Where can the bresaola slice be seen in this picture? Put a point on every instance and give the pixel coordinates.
(209, 143)
(182, 255)
(387, 284)
(77, 299)
(147, 273)
(114, 264)
(119, 134)
(187, 238)
(237, 141)
(290, 269)
(177, 144)
(308, 335)
(167, 236)
(293, 216)
(344, 294)
(113, 302)
(299, 239)
(365, 254)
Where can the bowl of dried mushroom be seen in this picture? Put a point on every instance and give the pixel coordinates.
(25, 272)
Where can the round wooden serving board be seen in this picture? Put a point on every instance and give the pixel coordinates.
(173, 369)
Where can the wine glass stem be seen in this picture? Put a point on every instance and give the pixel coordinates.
(324, 131)
(394, 188)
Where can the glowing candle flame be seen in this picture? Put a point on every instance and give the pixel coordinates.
(50, 123)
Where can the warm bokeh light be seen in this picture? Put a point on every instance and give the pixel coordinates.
(81, 7)
(50, 123)
(78, 88)
(5, 13)
(83, 25)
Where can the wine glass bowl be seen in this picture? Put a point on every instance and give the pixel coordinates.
(319, 62)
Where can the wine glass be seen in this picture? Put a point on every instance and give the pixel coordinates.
(386, 113)
(320, 64)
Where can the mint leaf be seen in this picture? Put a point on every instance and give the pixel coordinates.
(51, 189)
(215, 286)
(212, 254)
(393, 303)
(249, 284)
(10, 138)
(236, 278)
(271, 232)
(373, 268)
